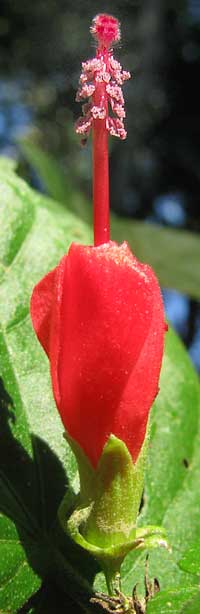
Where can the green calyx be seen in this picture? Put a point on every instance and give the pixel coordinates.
(116, 494)
(105, 512)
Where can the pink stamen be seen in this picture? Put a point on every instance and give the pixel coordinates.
(100, 81)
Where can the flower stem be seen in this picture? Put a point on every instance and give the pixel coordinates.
(113, 578)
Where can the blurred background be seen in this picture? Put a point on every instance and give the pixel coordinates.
(155, 174)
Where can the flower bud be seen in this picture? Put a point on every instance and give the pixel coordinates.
(99, 316)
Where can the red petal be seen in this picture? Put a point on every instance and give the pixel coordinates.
(110, 346)
(45, 313)
(142, 386)
(41, 304)
(99, 317)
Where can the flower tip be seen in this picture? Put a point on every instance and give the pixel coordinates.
(106, 29)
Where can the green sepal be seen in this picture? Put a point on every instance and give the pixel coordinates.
(145, 538)
(151, 537)
(111, 492)
(117, 489)
(105, 511)
(85, 469)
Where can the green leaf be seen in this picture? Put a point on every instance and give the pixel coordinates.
(57, 183)
(193, 605)
(190, 560)
(173, 602)
(17, 577)
(8, 165)
(173, 254)
(48, 169)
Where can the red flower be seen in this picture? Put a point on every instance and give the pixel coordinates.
(99, 317)
(99, 314)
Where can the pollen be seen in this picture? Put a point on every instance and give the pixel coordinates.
(101, 82)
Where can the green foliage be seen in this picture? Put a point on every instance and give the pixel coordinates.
(18, 578)
(175, 602)
(173, 254)
(190, 560)
(35, 461)
(193, 605)
(56, 182)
